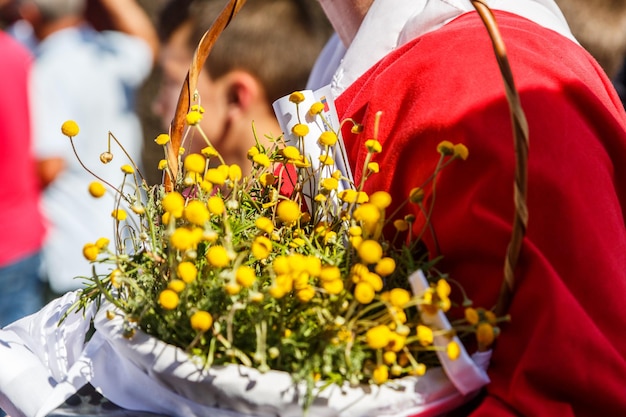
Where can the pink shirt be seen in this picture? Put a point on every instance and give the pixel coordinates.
(21, 224)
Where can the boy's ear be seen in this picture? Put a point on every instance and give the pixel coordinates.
(244, 92)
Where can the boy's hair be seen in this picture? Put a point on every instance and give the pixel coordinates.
(600, 27)
(277, 41)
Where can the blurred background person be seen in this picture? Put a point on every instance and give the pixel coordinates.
(265, 53)
(91, 77)
(21, 223)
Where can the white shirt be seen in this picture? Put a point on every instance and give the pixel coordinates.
(390, 24)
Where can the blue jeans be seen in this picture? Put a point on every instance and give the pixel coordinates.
(21, 289)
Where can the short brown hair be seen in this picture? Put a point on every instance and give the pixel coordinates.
(277, 41)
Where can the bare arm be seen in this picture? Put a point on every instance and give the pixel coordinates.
(49, 169)
(129, 17)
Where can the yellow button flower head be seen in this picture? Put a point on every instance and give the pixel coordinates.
(399, 297)
(364, 292)
(461, 151)
(201, 321)
(245, 276)
(373, 146)
(168, 299)
(396, 341)
(70, 128)
(326, 160)
(96, 189)
(333, 287)
(485, 334)
(381, 199)
(102, 243)
(182, 239)
(416, 195)
(264, 224)
(209, 151)
(306, 294)
(316, 108)
(196, 213)
(401, 225)
(90, 252)
(370, 251)
(215, 176)
(119, 215)
(373, 167)
(424, 335)
(216, 205)
(261, 247)
(173, 203)
(445, 147)
(262, 160)
(378, 337)
(162, 164)
(380, 374)
(348, 196)
(232, 288)
(291, 152)
(194, 117)
(218, 256)
(385, 266)
(252, 152)
(194, 162)
(296, 97)
(471, 315)
(267, 179)
(374, 280)
(187, 271)
(162, 139)
(300, 129)
(329, 184)
(453, 350)
(235, 173)
(328, 138)
(127, 169)
(176, 285)
(288, 211)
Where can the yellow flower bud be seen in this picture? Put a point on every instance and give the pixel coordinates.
(162, 139)
(370, 251)
(187, 271)
(194, 163)
(378, 337)
(70, 128)
(245, 276)
(96, 189)
(90, 252)
(218, 256)
(328, 138)
(288, 211)
(168, 299)
(316, 108)
(300, 129)
(119, 215)
(380, 374)
(216, 205)
(296, 97)
(201, 321)
(364, 292)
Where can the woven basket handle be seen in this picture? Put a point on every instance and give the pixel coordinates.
(188, 93)
(520, 138)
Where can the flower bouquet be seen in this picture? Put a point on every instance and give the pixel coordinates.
(285, 291)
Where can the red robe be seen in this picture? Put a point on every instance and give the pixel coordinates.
(564, 352)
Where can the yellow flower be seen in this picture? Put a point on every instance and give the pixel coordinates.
(291, 152)
(333, 287)
(102, 243)
(162, 139)
(173, 203)
(264, 224)
(115, 278)
(364, 292)
(266, 179)
(300, 129)
(162, 164)
(485, 334)
(471, 315)
(127, 169)
(306, 294)
(261, 247)
(396, 342)
(70, 128)
(176, 285)
(453, 350)
(378, 337)
(232, 288)
(348, 196)
(218, 256)
(373, 146)
(327, 138)
(96, 189)
(288, 211)
(401, 225)
(252, 152)
(193, 118)
(461, 151)
(445, 148)
(381, 199)
(201, 321)
(216, 205)
(262, 160)
(329, 183)
(416, 195)
(196, 213)
(374, 280)
(209, 152)
(380, 374)
(316, 108)
(215, 176)
(194, 163)
(373, 167)
(198, 108)
(399, 297)
(119, 215)
(245, 276)
(326, 160)
(182, 239)
(187, 271)
(390, 357)
(90, 252)
(234, 173)
(168, 299)
(296, 97)
(370, 251)
(385, 266)
(424, 335)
